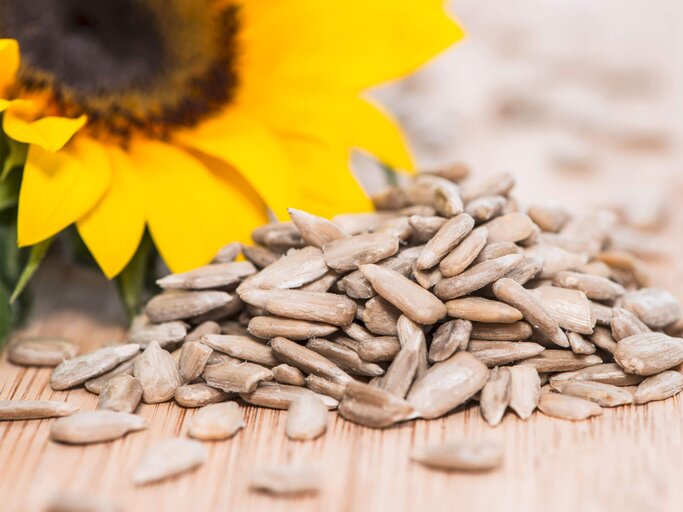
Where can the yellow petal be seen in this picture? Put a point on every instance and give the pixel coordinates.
(346, 122)
(50, 133)
(113, 228)
(191, 211)
(325, 179)
(350, 44)
(9, 62)
(251, 149)
(59, 188)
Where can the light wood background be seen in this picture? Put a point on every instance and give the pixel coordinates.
(628, 460)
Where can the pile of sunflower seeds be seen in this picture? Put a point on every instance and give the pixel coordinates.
(450, 294)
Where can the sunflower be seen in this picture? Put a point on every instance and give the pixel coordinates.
(193, 119)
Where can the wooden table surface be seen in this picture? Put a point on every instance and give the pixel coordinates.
(628, 459)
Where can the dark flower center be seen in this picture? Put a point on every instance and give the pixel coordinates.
(130, 65)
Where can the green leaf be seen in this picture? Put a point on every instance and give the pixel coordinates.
(9, 191)
(38, 251)
(132, 279)
(16, 157)
(5, 313)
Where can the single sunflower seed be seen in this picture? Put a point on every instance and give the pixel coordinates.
(495, 395)
(649, 353)
(281, 396)
(169, 458)
(157, 372)
(37, 351)
(448, 338)
(306, 418)
(445, 240)
(286, 479)
(215, 275)
(181, 305)
(659, 387)
(307, 360)
(77, 370)
(348, 254)
(372, 406)
(236, 378)
(605, 395)
(344, 357)
(461, 455)
(568, 407)
(476, 277)
(525, 390)
(241, 347)
(216, 422)
(95, 427)
(479, 309)
(287, 374)
(316, 231)
(120, 394)
(494, 353)
(269, 327)
(464, 253)
(199, 395)
(34, 409)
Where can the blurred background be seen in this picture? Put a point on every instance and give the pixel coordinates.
(581, 99)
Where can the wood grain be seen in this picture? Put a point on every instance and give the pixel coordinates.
(627, 459)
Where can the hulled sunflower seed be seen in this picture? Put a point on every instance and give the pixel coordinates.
(570, 308)
(72, 502)
(301, 305)
(344, 357)
(296, 268)
(445, 240)
(649, 353)
(427, 278)
(512, 227)
(515, 295)
(555, 259)
(157, 372)
(499, 183)
(379, 348)
(322, 284)
(607, 373)
(215, 275)
(449, 337)
(516, 331)
(77, 370)
(525, 390)
(193, 358)
(286, 374)
(492, 251)
(236, 378)
(527, 270)
(166, 334)
(281, 396)
(286, 479)
(259, 256)
(549, 216)
(625, 324)
(216, 422)
(485, 208)
(209, 327)
(410, 298)
(654, 306)
(373, 407)
(603, 314)
(181, 305)
(568, 407)
(602, 338)
(34, 409)
(169, 458)
(476, 277)
(228, 253)
(464, 455)
(659, 387)
(495, 395)
(479, 309)
(448, 384)
(494, 353)
(278, 236)
(40, 351)
(120, 394)
(605, 395)
(455, 171)
(242, 347)
(380, 317)
(595, 287)
(560, 361)
(308, 361)
(95, 385)
(389, 198)
(95, 427)
(325, 387)
(349, 253)
(306, 418)
(579, 344)
(316, 231)
(269, 327)
(424, 228)
(464, 253)
(447, 200)
(403, 368)
(199, 395)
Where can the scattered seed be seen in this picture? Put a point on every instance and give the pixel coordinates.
(34, 409)
(525, 390)
(193, 358)
(157, 372)
(649, 353)
(286, 374)
(236, 378)
(306, 418)
(95, 385)
(180, 305)
(216, 422)
(462, 456)
(169, 458)
(373, 407)
(349, 253)
(281, 396)
(605, 395)
(580, 345)
(286, 480)
(325, 387)
(40, 351)
(316, 231)
(199, 395)
(95, 427)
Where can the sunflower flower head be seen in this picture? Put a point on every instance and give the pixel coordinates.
(193, 118)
